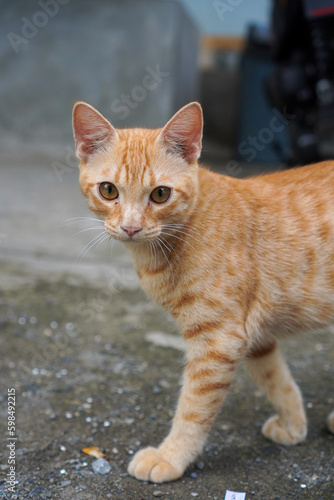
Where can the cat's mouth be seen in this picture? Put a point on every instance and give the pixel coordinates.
(131, 234)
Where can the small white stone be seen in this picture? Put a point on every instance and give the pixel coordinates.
(53, 325)
(303, 485)
(106, 423)
(35, 371)
(21, 321)
(89, 400)
(101, 466)
(62, 471)
(62, 448)
(68, 414)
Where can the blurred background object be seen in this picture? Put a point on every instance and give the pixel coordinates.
(263, 71)
(302, 83)
(136, 61)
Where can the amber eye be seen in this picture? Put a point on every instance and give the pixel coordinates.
(160, 194)
(108, 191)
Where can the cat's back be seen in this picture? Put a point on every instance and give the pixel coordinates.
(309, 187)
(316, 176)
(303, 195)
(272, 220)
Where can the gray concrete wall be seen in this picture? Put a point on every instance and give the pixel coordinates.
(135, 60)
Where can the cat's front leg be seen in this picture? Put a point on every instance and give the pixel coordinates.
(208, 375)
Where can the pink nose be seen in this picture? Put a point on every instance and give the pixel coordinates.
(131, 230)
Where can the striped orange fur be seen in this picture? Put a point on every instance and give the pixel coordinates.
(238, 263)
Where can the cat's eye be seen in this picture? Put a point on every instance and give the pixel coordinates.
(108, 191)
(160, 194)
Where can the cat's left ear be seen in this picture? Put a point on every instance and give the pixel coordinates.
(183, 133)
(91, 130)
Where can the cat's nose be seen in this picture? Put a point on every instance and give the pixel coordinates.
(131, 230)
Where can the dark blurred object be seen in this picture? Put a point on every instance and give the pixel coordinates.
(263, 135)
(302, 83)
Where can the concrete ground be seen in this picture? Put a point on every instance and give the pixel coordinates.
(75, 348)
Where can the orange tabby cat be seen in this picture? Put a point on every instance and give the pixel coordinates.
(238, 263)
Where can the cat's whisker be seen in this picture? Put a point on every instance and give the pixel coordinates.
(164, 244)
(74, 220)
(177, 228)
(186, 234)
(183, 226)
(151, 253)
(183, 232)
(87, 229)
(155, 252)
(181, 239)
(164, 253)
(169, 245)
(94, 241)
(97, 240)
(110, 242)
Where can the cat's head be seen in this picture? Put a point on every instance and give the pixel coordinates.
(139, 181)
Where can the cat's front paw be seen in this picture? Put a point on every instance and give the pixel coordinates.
(150, 464)
(276, 429)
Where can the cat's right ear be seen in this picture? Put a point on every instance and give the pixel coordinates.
(91, 130)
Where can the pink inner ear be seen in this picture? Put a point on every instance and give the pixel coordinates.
(91, 130)
(183, 132)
